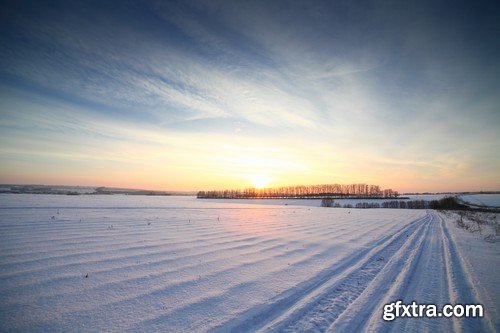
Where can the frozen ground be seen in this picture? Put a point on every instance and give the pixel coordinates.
(116, 263)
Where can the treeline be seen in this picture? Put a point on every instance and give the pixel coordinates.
(449, 203)
(304, 191)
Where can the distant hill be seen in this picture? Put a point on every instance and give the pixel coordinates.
(81, 190)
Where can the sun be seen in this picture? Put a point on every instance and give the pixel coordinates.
(260, 181)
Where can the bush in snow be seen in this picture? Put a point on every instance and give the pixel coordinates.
(327, 202)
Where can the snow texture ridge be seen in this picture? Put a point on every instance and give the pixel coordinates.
(125, 263)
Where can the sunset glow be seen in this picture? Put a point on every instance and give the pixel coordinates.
(260, 181)
(211, 95)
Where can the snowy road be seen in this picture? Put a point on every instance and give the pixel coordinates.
(119, 263)
(418, 262)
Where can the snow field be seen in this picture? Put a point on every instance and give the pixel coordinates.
(181, 264)
(488, 200)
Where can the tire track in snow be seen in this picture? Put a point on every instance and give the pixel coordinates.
(365, 312)
(432, 275)
(461, 288)
(320, 313)
(349, 277)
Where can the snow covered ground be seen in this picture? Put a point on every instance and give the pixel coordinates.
(138, 263)
(317, 202)
(488, 200)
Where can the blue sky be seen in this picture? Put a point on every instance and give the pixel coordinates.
(211, 94)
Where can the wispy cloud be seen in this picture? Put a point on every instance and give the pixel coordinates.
(335, 89)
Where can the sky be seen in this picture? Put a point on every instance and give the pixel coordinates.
(200, 95)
